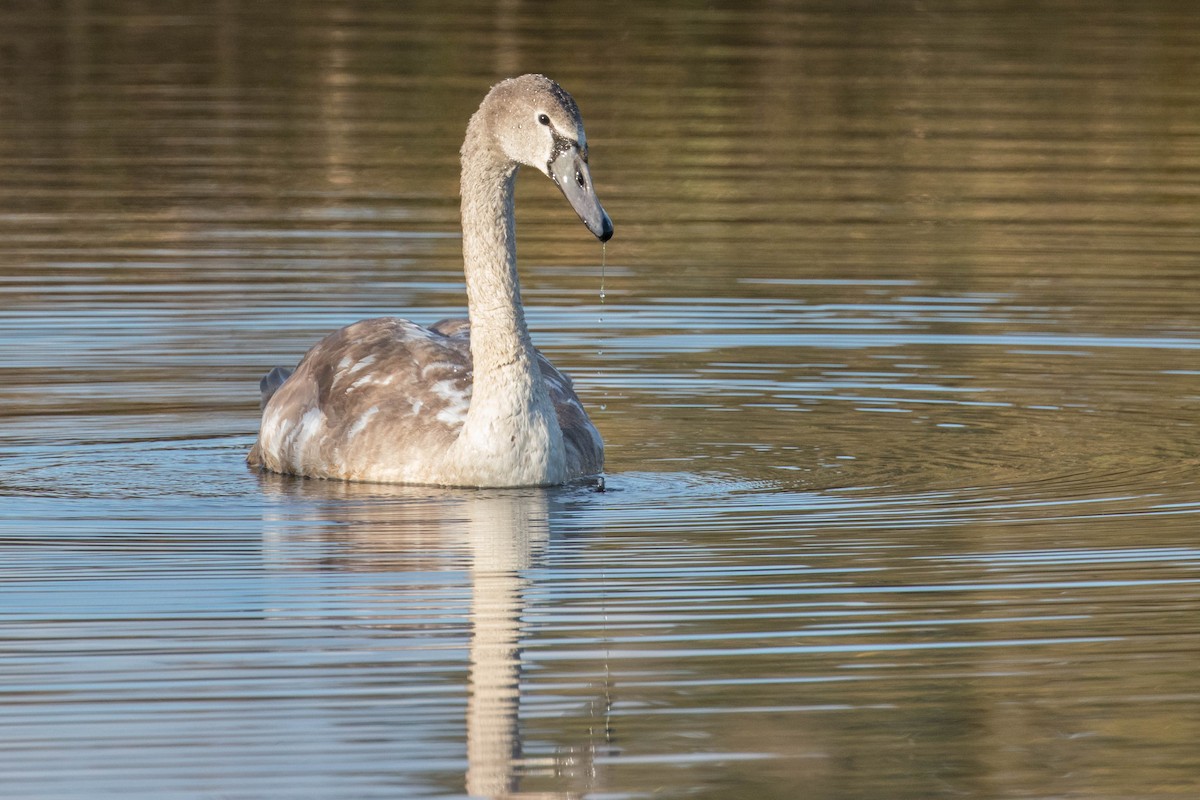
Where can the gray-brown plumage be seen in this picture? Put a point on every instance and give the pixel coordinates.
(458, 403)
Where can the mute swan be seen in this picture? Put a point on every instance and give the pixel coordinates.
(463, 402)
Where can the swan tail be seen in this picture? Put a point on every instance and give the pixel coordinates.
(271, 383)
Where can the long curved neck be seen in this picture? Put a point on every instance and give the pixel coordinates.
(506, 373)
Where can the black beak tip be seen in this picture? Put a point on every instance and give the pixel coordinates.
(606, 229)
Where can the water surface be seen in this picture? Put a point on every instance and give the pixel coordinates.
(896, 363)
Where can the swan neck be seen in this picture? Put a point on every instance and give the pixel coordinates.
(500, 340)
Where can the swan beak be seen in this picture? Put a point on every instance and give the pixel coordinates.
(570, 172)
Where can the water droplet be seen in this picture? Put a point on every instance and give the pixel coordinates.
(600, 319)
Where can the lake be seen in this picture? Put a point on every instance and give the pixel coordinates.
(894, 350)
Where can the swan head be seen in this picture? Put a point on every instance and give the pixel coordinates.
(536, 123)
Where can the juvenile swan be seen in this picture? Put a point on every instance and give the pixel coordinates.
(463, 402)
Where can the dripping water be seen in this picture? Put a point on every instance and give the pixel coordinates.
(600, 318)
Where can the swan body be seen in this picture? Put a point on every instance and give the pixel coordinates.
(462, 402)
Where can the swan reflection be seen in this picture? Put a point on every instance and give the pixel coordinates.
(497, 537)
(505, 533)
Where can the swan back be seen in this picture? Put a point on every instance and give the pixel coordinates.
(385, 399)
(371, 401)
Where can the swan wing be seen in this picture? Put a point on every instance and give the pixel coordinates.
(389, 392)
(583, 444)
(379, 392)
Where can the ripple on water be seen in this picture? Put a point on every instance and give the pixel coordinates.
(773, 561)
(896, 366)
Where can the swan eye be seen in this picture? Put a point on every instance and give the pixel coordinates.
(579, 180)
(543, 119)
